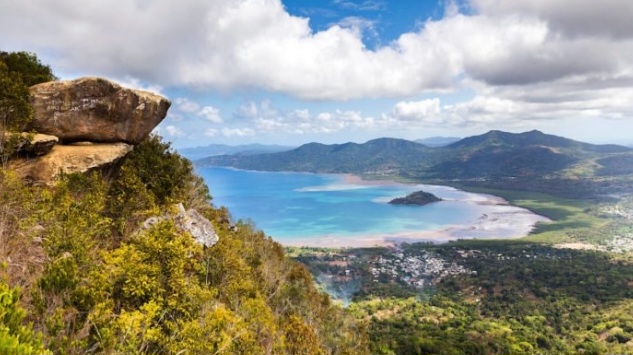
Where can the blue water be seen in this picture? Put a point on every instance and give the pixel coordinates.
(292, 206)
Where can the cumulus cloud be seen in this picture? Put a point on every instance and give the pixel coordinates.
(610, 18)
(417, 110)
(265, 117)
(228, 44)
(210, 114)
(223, 44)
(184, 106)
(529, 59)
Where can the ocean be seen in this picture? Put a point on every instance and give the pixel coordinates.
(342, 210)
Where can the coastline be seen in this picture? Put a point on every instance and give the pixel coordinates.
(505, 222)
(496, 217)
(500, 225)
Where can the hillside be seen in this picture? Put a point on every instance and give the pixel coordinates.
(92, 279)
(530, 160)
(128, 255)
(377, 156)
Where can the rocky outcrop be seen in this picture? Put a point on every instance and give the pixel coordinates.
(68, 159)
(96, 110)
(189, 221)
(83, 125)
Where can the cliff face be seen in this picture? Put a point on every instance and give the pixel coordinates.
(91, 123)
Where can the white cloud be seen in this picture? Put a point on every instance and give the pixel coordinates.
(210, 114)
(234, 44)
(524, 59)
(265, 117)
(417, 110)
(237, 132)
(185, 105)
(611, 18)
(361, 26)
(173, 131)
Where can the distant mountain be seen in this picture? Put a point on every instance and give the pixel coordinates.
(378, 155)
(533, 138)
(529, 154)
(490, 156)
(222, 149)
(437, 141)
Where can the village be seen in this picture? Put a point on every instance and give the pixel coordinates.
(411, 268)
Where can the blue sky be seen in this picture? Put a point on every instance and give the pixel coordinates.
(296, 71)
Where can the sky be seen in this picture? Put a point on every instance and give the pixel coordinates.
(296, 71)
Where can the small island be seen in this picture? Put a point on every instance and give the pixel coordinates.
(419, 198)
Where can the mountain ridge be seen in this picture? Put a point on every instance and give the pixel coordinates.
(530, 160)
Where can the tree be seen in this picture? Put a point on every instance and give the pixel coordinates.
(27, 67)
(18, 71)
(15, 110)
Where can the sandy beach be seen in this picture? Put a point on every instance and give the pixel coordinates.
(503, 222)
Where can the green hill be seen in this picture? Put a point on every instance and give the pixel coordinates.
(78, 265)
(530, 161)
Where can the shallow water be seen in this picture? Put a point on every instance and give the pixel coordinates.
(317, 209)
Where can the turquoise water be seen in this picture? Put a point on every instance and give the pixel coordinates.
(302, 206)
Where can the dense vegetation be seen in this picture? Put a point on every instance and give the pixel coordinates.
(416, 198)
(510, 297)
(80, 275)
(91, 281)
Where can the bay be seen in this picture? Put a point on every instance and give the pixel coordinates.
(343, 210)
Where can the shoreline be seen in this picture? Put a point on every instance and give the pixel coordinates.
(501, 225)
(499, 219)
(506, 222)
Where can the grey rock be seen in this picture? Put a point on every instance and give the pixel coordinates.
(191, 221)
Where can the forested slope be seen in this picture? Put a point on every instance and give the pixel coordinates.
(81, 272)
(90, 282)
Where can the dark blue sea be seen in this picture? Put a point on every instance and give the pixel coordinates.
(342, 210)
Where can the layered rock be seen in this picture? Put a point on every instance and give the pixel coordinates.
(68, 159)
(96, 110)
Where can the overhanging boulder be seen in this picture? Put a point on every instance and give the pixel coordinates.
(95, 110)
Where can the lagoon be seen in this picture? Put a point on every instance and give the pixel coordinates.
(343, 210)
